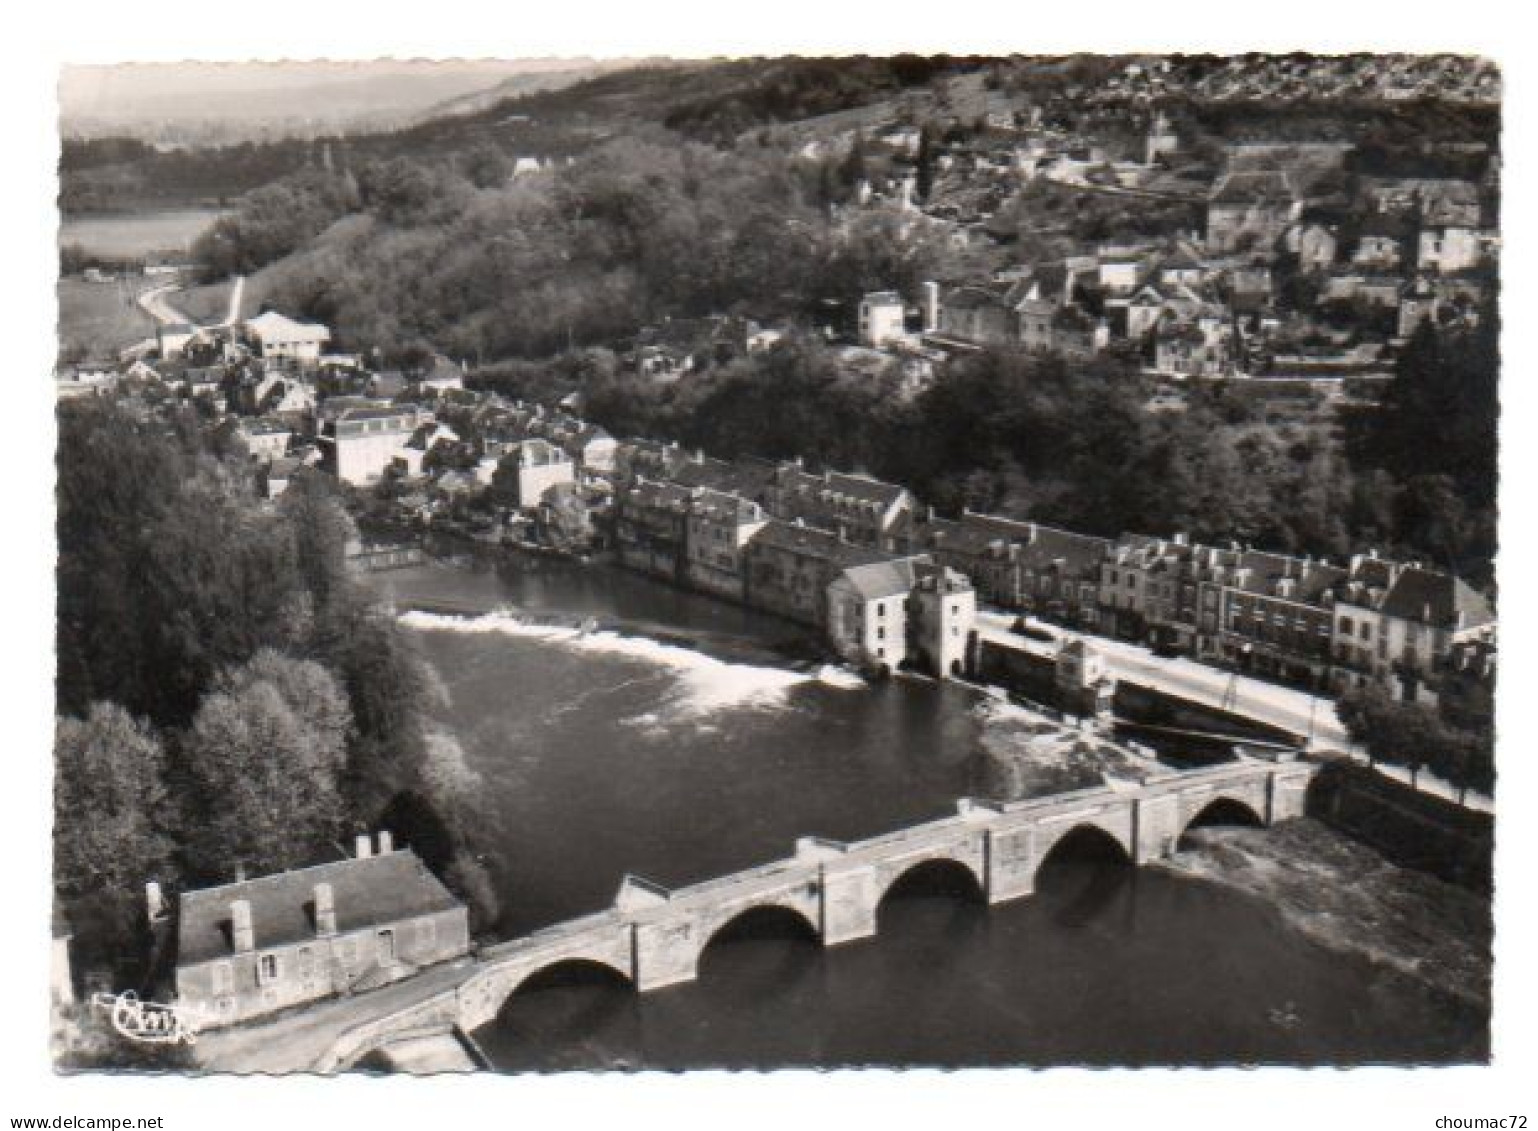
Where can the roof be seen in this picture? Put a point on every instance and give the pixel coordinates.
(375, 412)
(723, 506)
(878, 580)
(808, 541)
(366, 892)
(865, 488)
(1255, 186)
(1311, 580)
(1438, 599)
(277, 327)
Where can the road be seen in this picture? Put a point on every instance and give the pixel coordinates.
(295, 1040)
(155, 305)
(1309, 715)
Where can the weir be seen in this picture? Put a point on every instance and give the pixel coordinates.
(653, 936)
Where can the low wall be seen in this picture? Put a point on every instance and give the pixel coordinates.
(1017, 669)
(1139, 703)
(1413, 829)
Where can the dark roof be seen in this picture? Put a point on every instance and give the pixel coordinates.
(1438, 599)
(810, 542)
(865, 488)
(378, 889)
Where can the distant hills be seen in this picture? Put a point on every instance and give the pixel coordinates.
(204, 104)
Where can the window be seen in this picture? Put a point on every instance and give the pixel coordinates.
(881, 632)
(386, 940)
(1366, 630)
(1346, 626)
(267, 969)
(224, 979)
(881, 608)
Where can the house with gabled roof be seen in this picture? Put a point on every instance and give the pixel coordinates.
(1251, 208)
(253, 947)
(1400, 631)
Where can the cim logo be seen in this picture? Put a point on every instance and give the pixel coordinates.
(149, 1022)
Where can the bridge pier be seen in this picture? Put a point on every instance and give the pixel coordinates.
(1012, 860)
(666, 953)
(847, 907)
(1156, 827)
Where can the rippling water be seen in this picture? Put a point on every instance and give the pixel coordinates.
(609, 753)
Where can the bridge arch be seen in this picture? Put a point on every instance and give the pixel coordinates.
(770, 916)
(1224, 809)
(948, 874)
(1085, 840)
(564, 970)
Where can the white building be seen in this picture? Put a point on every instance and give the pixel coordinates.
(266, 440)
(868, 613)
(536, 465)
(277, 336)
(173, 338)
(1448, 250)
(360, 443)
(944, 613)
(881, 318)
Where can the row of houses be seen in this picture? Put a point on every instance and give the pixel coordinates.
(797, 544)
(815, 549)
(1392, 624)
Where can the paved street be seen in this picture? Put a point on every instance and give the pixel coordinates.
(1266, 702)
(155, 304)
(1294, 710)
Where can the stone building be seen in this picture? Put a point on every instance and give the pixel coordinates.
(253, 947)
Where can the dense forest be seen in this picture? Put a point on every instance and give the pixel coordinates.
(230, 697)
(639, 231)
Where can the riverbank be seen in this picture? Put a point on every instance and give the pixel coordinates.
(1347, 897)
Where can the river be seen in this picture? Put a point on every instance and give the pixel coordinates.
(679, 743)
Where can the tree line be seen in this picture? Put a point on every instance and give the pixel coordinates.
(230, 697)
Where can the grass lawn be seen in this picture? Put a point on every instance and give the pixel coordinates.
(206, 304)
(96, 320)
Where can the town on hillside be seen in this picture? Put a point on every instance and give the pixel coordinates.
(1132, 434)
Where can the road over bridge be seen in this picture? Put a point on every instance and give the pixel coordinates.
(654, 937)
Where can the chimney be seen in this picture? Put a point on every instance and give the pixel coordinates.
(363, 846)
(386, 842)
(154, 901)
(325, 910)
(242, 937)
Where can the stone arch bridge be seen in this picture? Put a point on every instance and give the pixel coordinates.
(654, 937)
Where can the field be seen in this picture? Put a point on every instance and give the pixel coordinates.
(132, 234)
(98, 319)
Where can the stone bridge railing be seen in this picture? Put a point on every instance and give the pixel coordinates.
(654, 937)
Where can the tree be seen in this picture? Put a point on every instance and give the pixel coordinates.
(567, 521)
(263, 762)
(110, 817)
(321, 531)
